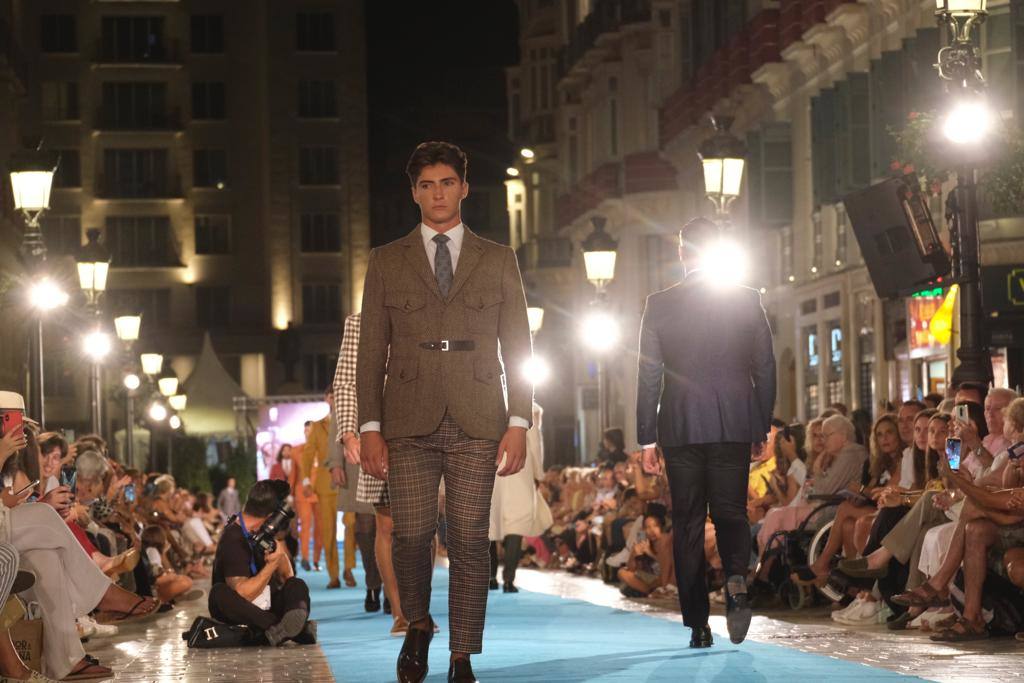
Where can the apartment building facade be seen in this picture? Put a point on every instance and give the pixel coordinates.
(220, 149)
(814, 87)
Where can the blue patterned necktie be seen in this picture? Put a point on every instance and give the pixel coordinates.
(443, 264)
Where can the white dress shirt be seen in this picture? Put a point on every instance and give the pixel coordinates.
(455, 236)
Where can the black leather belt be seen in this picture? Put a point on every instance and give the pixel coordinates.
(449, 345)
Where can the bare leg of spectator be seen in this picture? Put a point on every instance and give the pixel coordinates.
(980, 535)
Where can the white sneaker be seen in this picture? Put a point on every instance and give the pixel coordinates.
(98, 630)
(866, 613)
(840, 614)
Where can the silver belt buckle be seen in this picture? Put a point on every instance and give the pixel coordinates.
(444, 345)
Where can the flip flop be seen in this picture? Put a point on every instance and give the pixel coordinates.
(132, 615)
(89, 671)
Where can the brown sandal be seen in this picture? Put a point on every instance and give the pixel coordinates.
(923, 596)
(134, 614)
(961, 632)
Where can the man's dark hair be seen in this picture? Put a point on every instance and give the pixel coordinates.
(698, 233)
(982, 389)
(913, 403)
(616, 437)
(433, 153)
(264, 497)
(777, 423)
(656, 509)
(50, 440)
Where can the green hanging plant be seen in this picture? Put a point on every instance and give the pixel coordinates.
(922, 151)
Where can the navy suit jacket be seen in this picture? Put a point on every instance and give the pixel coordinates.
(707, 370)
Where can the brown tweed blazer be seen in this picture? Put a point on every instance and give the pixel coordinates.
(403, 307)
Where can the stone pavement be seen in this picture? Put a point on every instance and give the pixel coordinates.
(811, 630)
(153, 652)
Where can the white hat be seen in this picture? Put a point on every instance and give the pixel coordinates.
(10, 400)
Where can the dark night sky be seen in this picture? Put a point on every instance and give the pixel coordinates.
(435, 72)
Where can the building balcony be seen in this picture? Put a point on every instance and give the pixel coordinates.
(169, 188)
(545, 252)
(606, 16)
(162, 54)
(109, 120)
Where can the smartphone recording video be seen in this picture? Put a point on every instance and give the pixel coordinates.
(953, 447)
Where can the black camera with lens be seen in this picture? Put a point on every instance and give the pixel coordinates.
(264, 539)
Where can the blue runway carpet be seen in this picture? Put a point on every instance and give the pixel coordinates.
(539, 637)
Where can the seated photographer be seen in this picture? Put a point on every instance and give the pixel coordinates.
(253, 581)
(650, 565)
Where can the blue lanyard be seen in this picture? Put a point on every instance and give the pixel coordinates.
(248, 537)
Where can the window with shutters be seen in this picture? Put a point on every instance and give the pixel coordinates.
(823, 148)
(135, 173)
(998, 62)
(213, 234)
(317, 100)
(140, 241)
(211, 168)
(851, 125)
(208, 100)
(889, 109)
(770, 175)
(320, 233)
(57, 33)
(134, 105)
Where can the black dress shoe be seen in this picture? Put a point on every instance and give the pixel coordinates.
(509, 588)
(372, 602)
(460, 671)
(737, 614)
(701, 637)
(493, 585)
(387, 605)
(412, 660)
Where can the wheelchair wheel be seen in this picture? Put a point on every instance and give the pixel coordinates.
(793, 595)
(818, 543)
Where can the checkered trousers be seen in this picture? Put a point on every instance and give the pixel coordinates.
(416, 466)
(372, 490)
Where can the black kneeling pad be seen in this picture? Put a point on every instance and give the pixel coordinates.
(207, 633)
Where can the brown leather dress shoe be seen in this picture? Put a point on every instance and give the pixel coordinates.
(412, 660)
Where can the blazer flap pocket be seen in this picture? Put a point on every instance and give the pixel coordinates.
(405, 300)
(402, 370)
(483, 299)
(487, 370)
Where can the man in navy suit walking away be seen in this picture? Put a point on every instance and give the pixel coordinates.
(705, 392)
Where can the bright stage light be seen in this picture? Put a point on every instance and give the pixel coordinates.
(536, 370)
(724, 262)
(174, 422)
(96, 345)
(132, 382)
(45, 295)
(599, 331)
(157, 412)
(968, 122)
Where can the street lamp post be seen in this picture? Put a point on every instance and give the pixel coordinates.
(723, 158)
(43, 296)
(93, 262)
(128, 328)
(967, 122)
(600, 331)
(31, 173)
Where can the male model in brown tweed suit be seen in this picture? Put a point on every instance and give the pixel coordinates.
(436, 305)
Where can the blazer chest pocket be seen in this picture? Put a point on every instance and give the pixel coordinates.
(406, 309)
(482, 308)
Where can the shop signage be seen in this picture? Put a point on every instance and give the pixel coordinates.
(1003, 289)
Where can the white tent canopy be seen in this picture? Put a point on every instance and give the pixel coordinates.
(211, 392)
